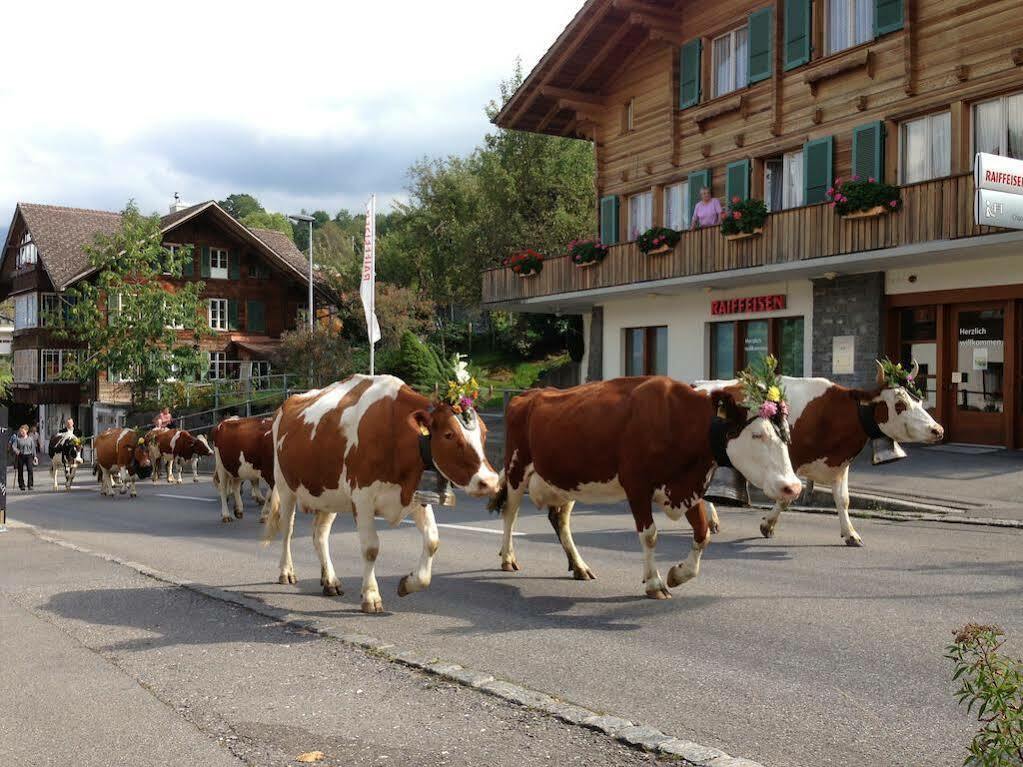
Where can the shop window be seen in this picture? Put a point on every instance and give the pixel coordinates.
(927, 148)
(735, 345)
(641, 213)
(646, 351)
(998, 126)
(918, 340)
(731, 61)
(849, 23)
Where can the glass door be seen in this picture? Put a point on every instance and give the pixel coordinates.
(978, 373)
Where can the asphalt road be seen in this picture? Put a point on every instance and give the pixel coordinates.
(792, 651)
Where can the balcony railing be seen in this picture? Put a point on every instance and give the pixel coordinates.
(932, 210)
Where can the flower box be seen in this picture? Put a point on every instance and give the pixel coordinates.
(586, 264)
(658, 240)
(745, 235)
(523, 275)
(877, 210)
(661, 250)
(585, 253)
(526, 263)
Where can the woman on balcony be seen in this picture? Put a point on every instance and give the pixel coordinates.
(707, 212)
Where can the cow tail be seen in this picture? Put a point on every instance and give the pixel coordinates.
(273, 522)
(499, 501)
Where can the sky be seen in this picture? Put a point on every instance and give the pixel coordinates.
(308, 105)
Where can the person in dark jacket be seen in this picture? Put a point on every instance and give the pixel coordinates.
(24, 456)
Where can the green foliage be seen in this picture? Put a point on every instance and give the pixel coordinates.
(125, 319)
(241, 205)
(6, 377)
(656, 237)
(858, 194)
(991, 688)
(587, 251)
(744, 216)
(421, 365)
(263, 219)
(317, 356)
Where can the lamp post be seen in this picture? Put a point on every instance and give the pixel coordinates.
(300, 217)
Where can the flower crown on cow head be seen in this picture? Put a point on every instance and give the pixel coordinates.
(893, 375)
(463, 390)
(764, 393)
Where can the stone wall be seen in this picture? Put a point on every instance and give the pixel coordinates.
(850, 305)
(595, 346)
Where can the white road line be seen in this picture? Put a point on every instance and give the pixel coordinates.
(465, 527)
(187, 497)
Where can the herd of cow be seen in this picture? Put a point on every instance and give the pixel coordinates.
(362, 446)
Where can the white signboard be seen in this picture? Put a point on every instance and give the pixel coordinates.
(999, 209)
(999, 196)
(843, 351)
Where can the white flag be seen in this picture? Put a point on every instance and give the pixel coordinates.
(369, 275)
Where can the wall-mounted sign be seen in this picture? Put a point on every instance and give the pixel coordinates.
(748, 305)
(999, 196)
(982, 329)
(843, 354)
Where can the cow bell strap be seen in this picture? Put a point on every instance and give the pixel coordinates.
(719, 429)
(425, 453)
(869, 422)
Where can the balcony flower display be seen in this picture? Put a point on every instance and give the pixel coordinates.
(863, 198)
(657, 240)
(743, 218)
(525, 263)
(584, 253)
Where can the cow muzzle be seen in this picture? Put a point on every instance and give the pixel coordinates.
(484, 484)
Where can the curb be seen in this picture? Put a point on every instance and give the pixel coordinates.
(639, 736)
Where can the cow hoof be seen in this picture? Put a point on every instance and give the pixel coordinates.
(715, 528)
(226, 520)
(510, 566)
(678, 575)
(333, 591)
(238, 513)
(287, 578)
(373, 606)
(661, 593)
(262, 520)
(854, 541)
(583, 574)
(403, 587)
(195, 479)
(766, 530)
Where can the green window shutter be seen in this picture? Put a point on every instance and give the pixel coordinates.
(255, 317)
(817, 176)
(868, 151)
(689, 74)
(233, 265)
(696, 182)
(205, 262)
(188, 264)
(609, 219)
(737, 180)
(232, 314)
(797, 33)
(887, 16)
(761, 31)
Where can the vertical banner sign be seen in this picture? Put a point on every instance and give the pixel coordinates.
(367, 290)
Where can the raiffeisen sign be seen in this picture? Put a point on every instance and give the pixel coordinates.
(999, 196)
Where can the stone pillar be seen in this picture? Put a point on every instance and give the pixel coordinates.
(849, 305)
(595, 345)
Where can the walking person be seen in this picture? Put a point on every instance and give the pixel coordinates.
(24, 456)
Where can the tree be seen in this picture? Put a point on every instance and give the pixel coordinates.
(240, 205)
(317, 356)
(130, 321)
(262, 219)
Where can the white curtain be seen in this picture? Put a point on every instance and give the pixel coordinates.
(722, 65)
(941, 145)
(641, 210)
(675, 206)
(792, 193)
(1014, 120)
(741, 56)
(864, 21)
(838, 25)
(987, 129)
(916, 152)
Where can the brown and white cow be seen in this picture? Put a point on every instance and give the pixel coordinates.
(831, 424)
(244, 450)
(170, 448)
(124, 453)
(646, 440)
(361, 446)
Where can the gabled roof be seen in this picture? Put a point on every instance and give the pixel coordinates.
(62, 234)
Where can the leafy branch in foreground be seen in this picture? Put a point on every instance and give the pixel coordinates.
(991, 688)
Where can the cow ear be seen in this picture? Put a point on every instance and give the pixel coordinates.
(420, 421)
(880, 373)
(727, 407)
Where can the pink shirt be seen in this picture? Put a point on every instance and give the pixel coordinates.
(708, 213)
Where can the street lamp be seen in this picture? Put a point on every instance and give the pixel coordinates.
(299, 217)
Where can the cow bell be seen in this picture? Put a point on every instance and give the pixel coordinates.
(729, 487)
(885, 450)
(434, 489)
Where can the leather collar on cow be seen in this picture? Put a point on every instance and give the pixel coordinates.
(442, 485)
(868, 421)
(720, 433)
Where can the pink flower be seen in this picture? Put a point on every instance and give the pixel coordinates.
(909, 378)
(783, 408)
(838, 181)
(855, 178)
(894, 203)
(833, 204)
(736, 199)
(831, 190)
(737, 215)
(872, 180)
(769, 409)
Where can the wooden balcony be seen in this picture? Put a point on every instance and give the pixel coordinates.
(932, 210)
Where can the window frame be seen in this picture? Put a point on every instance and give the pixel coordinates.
(649, 349)
(629, 116)
(29, 317)
(172, 248)
(649, 194)
(903, 156)
(62, 356)
(1003, 115)
(826, 27)
(217, 370)
(223, 322)
(734, 61)
(739, 324)
(218, 255)
(28, 252)
(684, 204)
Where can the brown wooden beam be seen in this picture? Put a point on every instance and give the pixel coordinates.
(571, 94)
(660, 16)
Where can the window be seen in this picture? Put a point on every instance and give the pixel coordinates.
(54, 361)
(734, 345)
(173, 250)
(641, 213)
(927, 148)
(676, 206)
(731, 61)
(918, 340)
(218, 365)
(27, 252)
(849, 23)
(629, 116)
(646, 351)
(218, 313)
(998, 126)
(25, 365)
(260, 369)
(259, 271)
(50, 305)
(26, 311)
(783, 181)
(218, 263)
(174, 320)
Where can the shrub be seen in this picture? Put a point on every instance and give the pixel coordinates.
(420, 364)
(656, 237)
(587, 251)
(525, 262)
(855, 195)
(744, 216)
(991, 687)
(316, 357)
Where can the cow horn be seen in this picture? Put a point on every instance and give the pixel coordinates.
(915, 370)
(880, 372)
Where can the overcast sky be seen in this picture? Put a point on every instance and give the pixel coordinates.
(105, 101)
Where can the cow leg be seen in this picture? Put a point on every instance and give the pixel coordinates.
(509, 514)
(560, 518)
(420, 578)
(223, 484)
(123, 476)
(689, 568)
(267, 504)
(322, 523)
(370, 543)
(655, 586)
(287, 567)
(257, 494)
(840, 492)
(713, 521)
(770, 520)
(53, 472)
(71, 476)
(195, 468)
(236, 489)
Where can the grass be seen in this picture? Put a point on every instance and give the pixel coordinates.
(497, 371)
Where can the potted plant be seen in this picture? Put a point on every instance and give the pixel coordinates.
(586, 253)
(858, 198)
(657, 240)
(743, 219)
(526, 263)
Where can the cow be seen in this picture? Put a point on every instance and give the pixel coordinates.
(647, 440)
(123, 452)
(362, 446)
(65, 452)
(243, 449)
(831, 424)
(172, 447)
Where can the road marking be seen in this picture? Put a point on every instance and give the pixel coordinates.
(187, 497)
(465, 527)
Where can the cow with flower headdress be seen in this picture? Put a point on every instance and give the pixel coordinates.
(363, 446)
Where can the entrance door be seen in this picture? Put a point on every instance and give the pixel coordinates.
(978, 336)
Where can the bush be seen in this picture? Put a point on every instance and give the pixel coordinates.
(657, 237)
(420, 365)
(744, 216)
(315, 357)
(991, 687)
(856, 195)
(587, 251)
